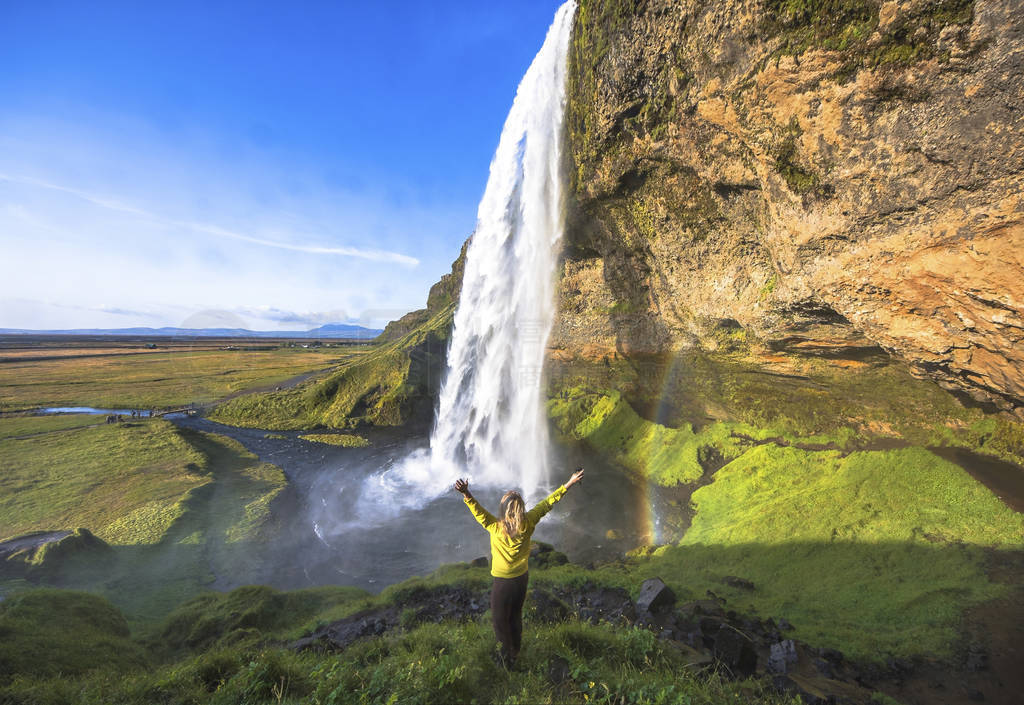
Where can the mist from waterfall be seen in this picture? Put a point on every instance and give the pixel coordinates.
(490, 422)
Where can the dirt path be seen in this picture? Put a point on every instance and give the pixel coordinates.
(56, 430)
(286, 384)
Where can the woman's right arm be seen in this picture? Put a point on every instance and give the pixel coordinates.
(483, 516)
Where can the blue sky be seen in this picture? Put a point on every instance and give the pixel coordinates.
(274, 165)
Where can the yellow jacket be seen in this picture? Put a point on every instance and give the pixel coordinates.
(509, 557)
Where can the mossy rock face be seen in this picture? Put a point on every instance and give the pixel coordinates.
(48, 632)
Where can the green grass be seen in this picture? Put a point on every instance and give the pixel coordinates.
(122, 482)
(14, 426)
(50, 633)
(178, 507)
(873, 552)
(154, 380)
(345, 440)
(216, 620)
(774, 494)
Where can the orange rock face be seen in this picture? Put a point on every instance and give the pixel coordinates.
(826, 185)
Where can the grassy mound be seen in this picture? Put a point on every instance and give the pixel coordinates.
(248, 614)
(46, 633)
(384, 386)
(609, 425)
(345, 440)
(122, 482)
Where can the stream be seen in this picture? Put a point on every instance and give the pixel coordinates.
(328, 536)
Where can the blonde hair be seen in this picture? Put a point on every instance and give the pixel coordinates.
(513, 515)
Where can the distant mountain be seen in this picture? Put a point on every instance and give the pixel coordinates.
(330, 330)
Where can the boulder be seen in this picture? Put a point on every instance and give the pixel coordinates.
(546, 607)
(738, 583)
(735, 651)
(655, 596)
(558, 670)
(781, 656)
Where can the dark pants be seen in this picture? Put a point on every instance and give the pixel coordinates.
(507, 597)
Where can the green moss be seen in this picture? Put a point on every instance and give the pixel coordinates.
(774, 494)
(800, 179)
(608, 424)
(846, 25)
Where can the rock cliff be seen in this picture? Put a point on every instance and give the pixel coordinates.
(832, 178)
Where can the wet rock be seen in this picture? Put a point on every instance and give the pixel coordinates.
(610, 604)
(693, 659)
(825, 668)
(558, 670)
(976, 658)
(544, 555)
(426, 605)
(698, 607)
(654, 596)
(735, 651)
(546, 607)
(738, 583)
(781, 656)
(835, 287)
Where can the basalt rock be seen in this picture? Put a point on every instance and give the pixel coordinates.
(829, 179)
(655, 596)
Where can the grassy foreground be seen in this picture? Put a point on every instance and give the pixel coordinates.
(229, 648)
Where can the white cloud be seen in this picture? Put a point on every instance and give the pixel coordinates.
(217, 231)
(125, 226)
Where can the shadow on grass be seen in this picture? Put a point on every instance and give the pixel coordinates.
(873, 601)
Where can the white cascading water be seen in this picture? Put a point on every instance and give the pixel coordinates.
(490, 421)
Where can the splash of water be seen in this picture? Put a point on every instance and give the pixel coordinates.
(490, 421)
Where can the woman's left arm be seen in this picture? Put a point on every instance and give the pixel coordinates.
(535, 514)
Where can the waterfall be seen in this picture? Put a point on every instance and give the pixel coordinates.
(490, 422)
